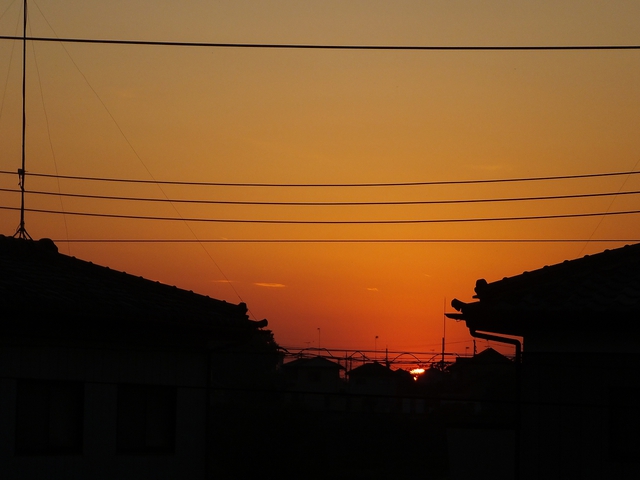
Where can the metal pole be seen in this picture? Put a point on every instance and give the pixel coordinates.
(22, 232)
(444, 328)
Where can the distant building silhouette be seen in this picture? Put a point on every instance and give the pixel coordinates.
(314, 383)
(480, 390)
(374, 387)
(579, 377)
(108, 375)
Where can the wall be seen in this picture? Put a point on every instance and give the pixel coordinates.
(101, 371)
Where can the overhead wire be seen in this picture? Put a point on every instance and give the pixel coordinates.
(326, 204)
(328, 222)
(6, 82)
(346, 240)
(59, 194)
(311, 185)
(593, 232)
(4, 12)
(295, 46)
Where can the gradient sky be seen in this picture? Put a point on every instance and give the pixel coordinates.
(324, 116)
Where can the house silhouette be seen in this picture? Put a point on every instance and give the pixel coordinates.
(578, 377)
(108, 375)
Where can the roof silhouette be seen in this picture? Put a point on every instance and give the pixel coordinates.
(488, 356)
(580, 290)
(37, 282)
(374, 369)
(314, 362)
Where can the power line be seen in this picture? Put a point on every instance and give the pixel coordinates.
(300, 185)
(350, 240)
(325, 204)
(328, 222)
(292, 46)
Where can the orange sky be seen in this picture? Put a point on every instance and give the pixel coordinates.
(318, 116)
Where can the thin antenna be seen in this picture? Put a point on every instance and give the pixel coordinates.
(444, 328)
(375, 349)
(21, 232)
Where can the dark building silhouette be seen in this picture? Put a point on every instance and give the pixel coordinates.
(371, 425)
(108, 375)
(314, 383)
(480, 390)
(579, 384)
(374, 387)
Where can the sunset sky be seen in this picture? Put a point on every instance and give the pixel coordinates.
(325, 117)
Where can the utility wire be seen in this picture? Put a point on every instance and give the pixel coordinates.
(292, 46)
(53, 153)
(609, 207)
(329, 222)
(323, 185)
(6, 81)
(349, 240)
(323, 204)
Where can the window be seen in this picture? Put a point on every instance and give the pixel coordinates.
(624, 424)
(146, 419)
(49, 417)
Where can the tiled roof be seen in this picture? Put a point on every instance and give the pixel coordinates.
(38, 282)
(594, 285)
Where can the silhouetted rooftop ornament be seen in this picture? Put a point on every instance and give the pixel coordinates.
(580, 291)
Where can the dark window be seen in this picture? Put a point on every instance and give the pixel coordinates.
(624, 424)
(146, 419)
(49, 417)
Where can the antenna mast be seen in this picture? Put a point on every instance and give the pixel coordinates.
(444, 330)
(21, 232)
